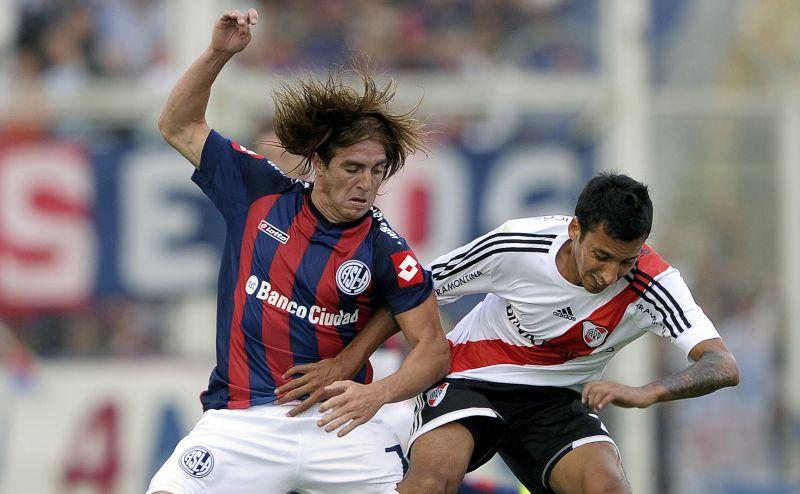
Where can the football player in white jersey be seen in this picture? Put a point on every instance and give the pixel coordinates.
(565, 294)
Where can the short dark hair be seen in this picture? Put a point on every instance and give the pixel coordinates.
(318, 117)
(617, 202)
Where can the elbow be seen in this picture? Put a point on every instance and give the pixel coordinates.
(733, 373)
(443, 359)
(731, 369)
(168, 131)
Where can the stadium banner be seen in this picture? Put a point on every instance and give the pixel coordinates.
(95, 427)
(81, 221)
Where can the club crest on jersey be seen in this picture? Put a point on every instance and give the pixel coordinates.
(353, 277)
(408, 270)
(435, 396)
(594, 335)
(197, 462)
(273, 231)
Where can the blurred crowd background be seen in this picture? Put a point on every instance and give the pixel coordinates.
(520, 95)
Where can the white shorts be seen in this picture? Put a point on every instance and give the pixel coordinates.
(260, 449)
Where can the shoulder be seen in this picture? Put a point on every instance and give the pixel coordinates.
(246, 155)
(651, 263)
(386, 240)
(536, 233)
(546, 226)
(384, 231)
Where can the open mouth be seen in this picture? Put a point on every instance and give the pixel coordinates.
(358, 202)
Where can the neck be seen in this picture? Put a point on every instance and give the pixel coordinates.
(323, 205)
(566, 264)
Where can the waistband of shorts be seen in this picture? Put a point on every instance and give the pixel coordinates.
(269, 410)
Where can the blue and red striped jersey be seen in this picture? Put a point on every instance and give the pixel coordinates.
(294, 288)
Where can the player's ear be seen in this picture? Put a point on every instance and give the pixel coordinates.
(574, 229)
(318, 165)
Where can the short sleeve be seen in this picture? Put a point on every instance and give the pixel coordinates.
(403, 281)
(233, 176)
(492, 263)
(673, 313)
(465, 270)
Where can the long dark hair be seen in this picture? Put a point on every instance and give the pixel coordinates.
(319, 117)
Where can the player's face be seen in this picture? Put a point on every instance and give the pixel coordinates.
(601, 260)
(346, 188)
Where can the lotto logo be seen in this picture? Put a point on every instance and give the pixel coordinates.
(273, 231)
(407, 268)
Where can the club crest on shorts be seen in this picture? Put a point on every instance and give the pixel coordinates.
(435, 396)
(353, 277)
(594, 335)
(197, 462)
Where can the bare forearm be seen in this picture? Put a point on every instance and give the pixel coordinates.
(188, 100)
(426, 364)
(380, 328)
(713, 371)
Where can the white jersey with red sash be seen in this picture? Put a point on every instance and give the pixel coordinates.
(536, 328)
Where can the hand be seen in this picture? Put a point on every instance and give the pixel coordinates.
(600, 393)
(354, 403)
(232, 31)
(312, 381)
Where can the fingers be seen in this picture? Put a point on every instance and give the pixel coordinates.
(312, 399)
(352, 425)
(331, 403)
(339, 417)
(293, 384)
(333, 423)
(596, 396)
(296, 394)
(232, 15)
(297, 369)
(311, 389)
(252, 16)
(338, 386)
(588, 390)
(241, 19)
(605, 400)
(335, 390)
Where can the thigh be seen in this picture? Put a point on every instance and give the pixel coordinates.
(455, 400)
(229, 453)
(367, 460)
(440, 459)
(595, 464)
(536, 444)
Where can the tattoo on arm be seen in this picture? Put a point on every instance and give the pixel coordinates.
(710, 373)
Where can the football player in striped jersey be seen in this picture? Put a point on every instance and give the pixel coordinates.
(304, 268)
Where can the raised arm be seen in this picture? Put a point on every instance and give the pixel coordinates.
(714, 367)
(183, 120)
